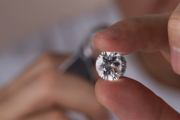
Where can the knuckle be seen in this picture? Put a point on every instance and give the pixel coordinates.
(47, 79)
(56, 115)
(174, 21)
(47, 59)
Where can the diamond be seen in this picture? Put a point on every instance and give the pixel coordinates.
(111, 65)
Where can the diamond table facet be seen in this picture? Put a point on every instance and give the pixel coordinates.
(111, 65)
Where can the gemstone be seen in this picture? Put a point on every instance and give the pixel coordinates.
(111, 65)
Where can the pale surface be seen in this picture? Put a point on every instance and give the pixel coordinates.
(23, 18)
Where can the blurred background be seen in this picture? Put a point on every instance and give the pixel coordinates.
(31, 28)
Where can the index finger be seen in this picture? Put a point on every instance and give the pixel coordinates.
(147, 33)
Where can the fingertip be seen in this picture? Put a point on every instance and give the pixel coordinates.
(121, 37)
(103, 42)
(173, 34)
(127, 96)
(175, 59)
(110, 45)
(106, 90)
(109, 40)
(111, 33)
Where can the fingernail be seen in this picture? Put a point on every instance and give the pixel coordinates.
(175, 59)
(111, 33)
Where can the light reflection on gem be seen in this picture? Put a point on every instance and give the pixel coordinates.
(110, 65)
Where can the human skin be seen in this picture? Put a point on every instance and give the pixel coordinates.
(40, 92)
(135, 8)
(127, 98)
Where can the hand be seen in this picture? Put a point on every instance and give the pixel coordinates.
(127, 98)
(42, 93)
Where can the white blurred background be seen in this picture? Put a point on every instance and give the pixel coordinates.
(32, 27)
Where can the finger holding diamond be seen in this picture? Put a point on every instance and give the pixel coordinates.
(147, 33)
(130, 100)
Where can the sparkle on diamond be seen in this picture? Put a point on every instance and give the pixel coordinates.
(110, 65)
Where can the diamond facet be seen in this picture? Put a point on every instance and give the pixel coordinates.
(111, 65)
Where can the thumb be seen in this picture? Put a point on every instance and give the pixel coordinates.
(174, 38)
(130, 100)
